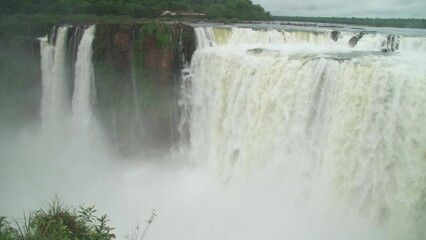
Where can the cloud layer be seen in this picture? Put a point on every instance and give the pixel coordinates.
(346, 8)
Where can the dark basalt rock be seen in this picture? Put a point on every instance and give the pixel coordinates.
(335, 35)
(391, 44)
(354, 40)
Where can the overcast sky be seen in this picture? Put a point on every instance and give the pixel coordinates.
(346, 8)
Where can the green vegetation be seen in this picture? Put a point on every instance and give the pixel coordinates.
(135, 66)
(215, 9)
(160, 31)
(58, 222)
(375, 22)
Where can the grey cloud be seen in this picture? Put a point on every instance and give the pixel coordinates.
(347, 8)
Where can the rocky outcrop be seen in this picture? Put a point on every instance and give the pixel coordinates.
(391, 44)
(137, 71)
(335, 35)
(354, 40)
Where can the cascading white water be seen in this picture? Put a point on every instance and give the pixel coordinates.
(84, 85)
(319, 111)
(47, 58)
(312, 42)
(55, 101)
(204, 37)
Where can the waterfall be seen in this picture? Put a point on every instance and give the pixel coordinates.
(137, 121)
(84, 86)
(305, 40)
(204, 37)
(320, 111)
(47, 53)
(57, 107)
(55, 103)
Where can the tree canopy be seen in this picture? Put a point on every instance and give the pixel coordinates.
(238, 9)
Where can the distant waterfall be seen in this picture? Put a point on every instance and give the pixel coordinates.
(57, 106)
(47, 58)
(84, 86)
(55, 101)
(302, 104)
(137, 121)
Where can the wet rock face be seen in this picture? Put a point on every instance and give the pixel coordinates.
(119, 44)
(161, 60)
(391, 44)
(137, 68)
(354, 40)
(122, 40)
(335, 35)
(20, 77)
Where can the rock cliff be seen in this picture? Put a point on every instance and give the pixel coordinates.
(137, 73)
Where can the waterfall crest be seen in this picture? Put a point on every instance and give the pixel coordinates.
(314, 41)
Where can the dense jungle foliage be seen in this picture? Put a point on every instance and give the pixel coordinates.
(238, 9)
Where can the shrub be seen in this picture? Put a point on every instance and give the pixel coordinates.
(58, 222)
(6, 231)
